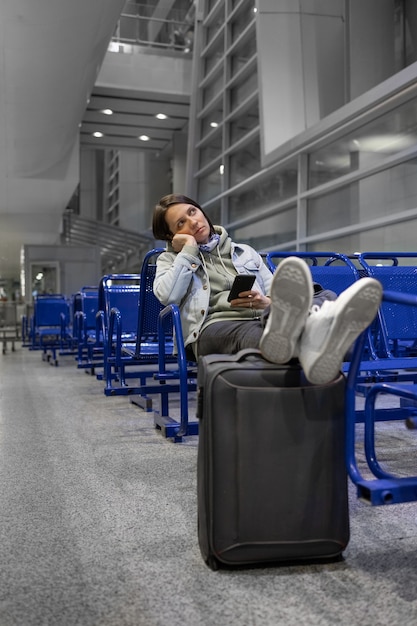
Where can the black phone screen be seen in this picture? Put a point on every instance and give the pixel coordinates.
(242, 282)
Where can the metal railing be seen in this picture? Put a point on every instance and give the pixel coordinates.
(158, 27)
(119, 248)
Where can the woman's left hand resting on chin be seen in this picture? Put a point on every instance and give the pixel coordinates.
(251, 300)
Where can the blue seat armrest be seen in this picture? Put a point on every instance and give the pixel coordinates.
(170, 312)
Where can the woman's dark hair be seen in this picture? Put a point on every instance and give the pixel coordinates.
(159, 226)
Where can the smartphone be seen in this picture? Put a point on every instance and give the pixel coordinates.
(242, 282)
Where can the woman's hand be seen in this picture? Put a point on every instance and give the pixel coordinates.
(251, 300)
(179, 241)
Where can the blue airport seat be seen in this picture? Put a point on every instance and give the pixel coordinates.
(393, 353)
(332, 270)
(68, 339)
(384, 486)
(92, 326)
(336, 271)
(125, 354)
(117, 292)
(26, 331)
(50, 312)
(151, 356)
(84, 324)
(397, 271)
(185, 372)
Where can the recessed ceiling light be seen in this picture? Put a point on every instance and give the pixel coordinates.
(161, 116)
(107, 111)
(144, 138)
(97, 134)
(214, 124)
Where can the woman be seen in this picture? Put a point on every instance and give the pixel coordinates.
(282, 313)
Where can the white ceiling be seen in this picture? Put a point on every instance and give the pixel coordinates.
(50, 57)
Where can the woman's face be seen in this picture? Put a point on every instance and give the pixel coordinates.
(187, 219)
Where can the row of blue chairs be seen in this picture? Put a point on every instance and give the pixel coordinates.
(58, 322)
(392, 338)
(383, 364)
(113, 330)
(43, 329)
(123, 329)
(132, 346)
(151, 358)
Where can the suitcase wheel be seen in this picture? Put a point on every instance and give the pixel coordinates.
(212, 563)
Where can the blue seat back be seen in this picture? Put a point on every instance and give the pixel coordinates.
(88, 297)
(48, 309)
(149, 305)
(332, 270)
(120, 291)
(398, 321)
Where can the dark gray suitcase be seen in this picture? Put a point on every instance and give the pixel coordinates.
(272, 480)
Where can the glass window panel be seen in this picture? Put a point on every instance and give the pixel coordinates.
(214, 214)
(244, 162)
(382, 194)
(268, 232)
(241, 56)
(276, 189)
(240, 22)
(366, 146)
(234, 4)
(212, 59)
(212, 31)
(347, 244)
(215, 87)
(211, 151)
(210, 5)
(44, 277)
(241, 91)
(333, 210)
(212, 121)
(398, 237)
(241, 126)
(129, 29)
(405, 33)
(209, 186)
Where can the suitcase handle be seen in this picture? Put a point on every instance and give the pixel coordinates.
(256, 353)
(245, 353)
(239, 357)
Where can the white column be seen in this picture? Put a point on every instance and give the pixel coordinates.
(300, 65)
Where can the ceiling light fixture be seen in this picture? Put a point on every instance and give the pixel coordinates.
(97, 134)
(214, 124)
(161, 116)
(144, 138)
(107, 111)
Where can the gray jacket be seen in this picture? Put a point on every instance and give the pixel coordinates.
(181, 279)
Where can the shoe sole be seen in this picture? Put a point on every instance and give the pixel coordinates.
(360, 308)
(291, 298)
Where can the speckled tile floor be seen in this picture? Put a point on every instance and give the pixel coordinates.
(98, 524)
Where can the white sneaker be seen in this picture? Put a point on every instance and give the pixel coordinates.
(291, 298)
(331, 329)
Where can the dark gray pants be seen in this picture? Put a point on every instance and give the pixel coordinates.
(228, 337)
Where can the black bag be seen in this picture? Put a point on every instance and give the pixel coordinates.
(272, 480)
